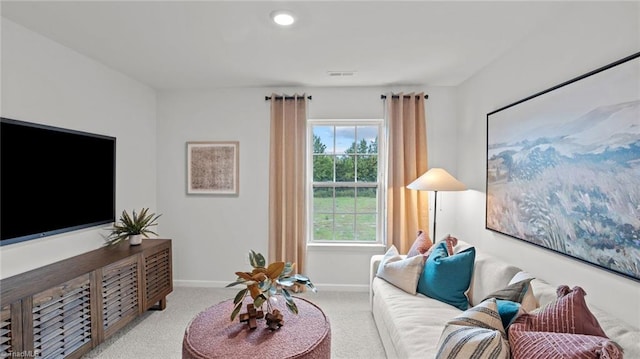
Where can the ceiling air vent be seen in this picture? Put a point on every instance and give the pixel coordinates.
(341, 73)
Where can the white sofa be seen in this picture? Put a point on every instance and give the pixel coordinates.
(410, 325)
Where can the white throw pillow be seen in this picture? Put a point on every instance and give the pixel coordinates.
(401, 272)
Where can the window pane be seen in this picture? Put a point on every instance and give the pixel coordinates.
(366, 227)
(322, 139)
(345, 138)
(345, 157)
(322, 226)
(322, 168)
(367, 139)
(344, 227)
(366, 201)
(323, 200)
(345, 168)
(345, 200)
(367, 168)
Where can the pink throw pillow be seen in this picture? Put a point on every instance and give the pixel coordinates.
(568, 314)
(527, 344)
(420, 246)
(450, 243)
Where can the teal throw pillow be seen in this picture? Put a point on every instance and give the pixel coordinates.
(508, 311)
(446, 278)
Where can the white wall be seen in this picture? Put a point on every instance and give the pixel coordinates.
(587, 37)
(47, 83)
(212, 235)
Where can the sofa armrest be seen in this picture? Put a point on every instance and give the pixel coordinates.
(373, 269)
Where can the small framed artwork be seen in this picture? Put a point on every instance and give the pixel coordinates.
(213, 167)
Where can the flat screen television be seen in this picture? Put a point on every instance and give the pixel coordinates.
(53, 180)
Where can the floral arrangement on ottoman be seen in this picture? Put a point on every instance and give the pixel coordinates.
(263, 284)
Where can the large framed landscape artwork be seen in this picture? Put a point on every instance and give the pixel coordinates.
(563, 168)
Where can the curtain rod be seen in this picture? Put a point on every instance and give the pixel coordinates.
(382, 97)
(267, 98)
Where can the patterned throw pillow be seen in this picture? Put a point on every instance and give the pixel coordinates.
(476, 333)
(420, 246)
(447, 278)
(568, 314)
(526, 344)
(564, 329)
(401, 272)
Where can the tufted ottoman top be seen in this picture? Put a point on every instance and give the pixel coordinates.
(211, 334)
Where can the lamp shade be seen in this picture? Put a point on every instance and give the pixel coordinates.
(437, 179)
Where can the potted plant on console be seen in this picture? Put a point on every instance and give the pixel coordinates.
(133, 227)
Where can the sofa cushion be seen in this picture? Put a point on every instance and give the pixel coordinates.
(446, 278)
(526, 344)
(399, 271)
(421, 245)
(409, 325)
(475, 333)
(490, 274)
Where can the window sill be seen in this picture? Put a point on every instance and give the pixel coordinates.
(356, 247)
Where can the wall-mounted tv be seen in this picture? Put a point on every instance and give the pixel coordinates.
(53, 180)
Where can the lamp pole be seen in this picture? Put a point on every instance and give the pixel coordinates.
(435, 213)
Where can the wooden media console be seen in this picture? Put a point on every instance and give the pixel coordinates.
(65, 309)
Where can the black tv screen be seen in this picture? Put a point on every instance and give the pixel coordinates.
(53, 180)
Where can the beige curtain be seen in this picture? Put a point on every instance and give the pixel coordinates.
(407, 210)
(287, 167)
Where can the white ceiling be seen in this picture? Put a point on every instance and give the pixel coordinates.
(213, 44)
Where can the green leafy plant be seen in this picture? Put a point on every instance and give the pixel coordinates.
(262, 283)
(133, 224)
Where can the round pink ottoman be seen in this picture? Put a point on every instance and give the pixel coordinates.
(211, 334)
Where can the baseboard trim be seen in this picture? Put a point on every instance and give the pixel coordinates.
(320, 286)
(342, 287)
(200, 283)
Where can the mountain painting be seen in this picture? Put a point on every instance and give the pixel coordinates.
(563, 168)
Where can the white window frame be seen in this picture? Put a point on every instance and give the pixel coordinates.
(381, 183)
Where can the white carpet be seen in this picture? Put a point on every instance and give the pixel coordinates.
(158, 334)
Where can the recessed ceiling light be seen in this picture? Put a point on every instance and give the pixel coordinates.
(282, 18)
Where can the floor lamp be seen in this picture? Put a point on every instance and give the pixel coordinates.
(436, 179)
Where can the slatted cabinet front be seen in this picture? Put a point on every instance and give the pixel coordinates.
(7, 345)
(120, 300)
(61, 318)
(158, 277)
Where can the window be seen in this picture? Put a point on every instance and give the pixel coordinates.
(346, 188)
